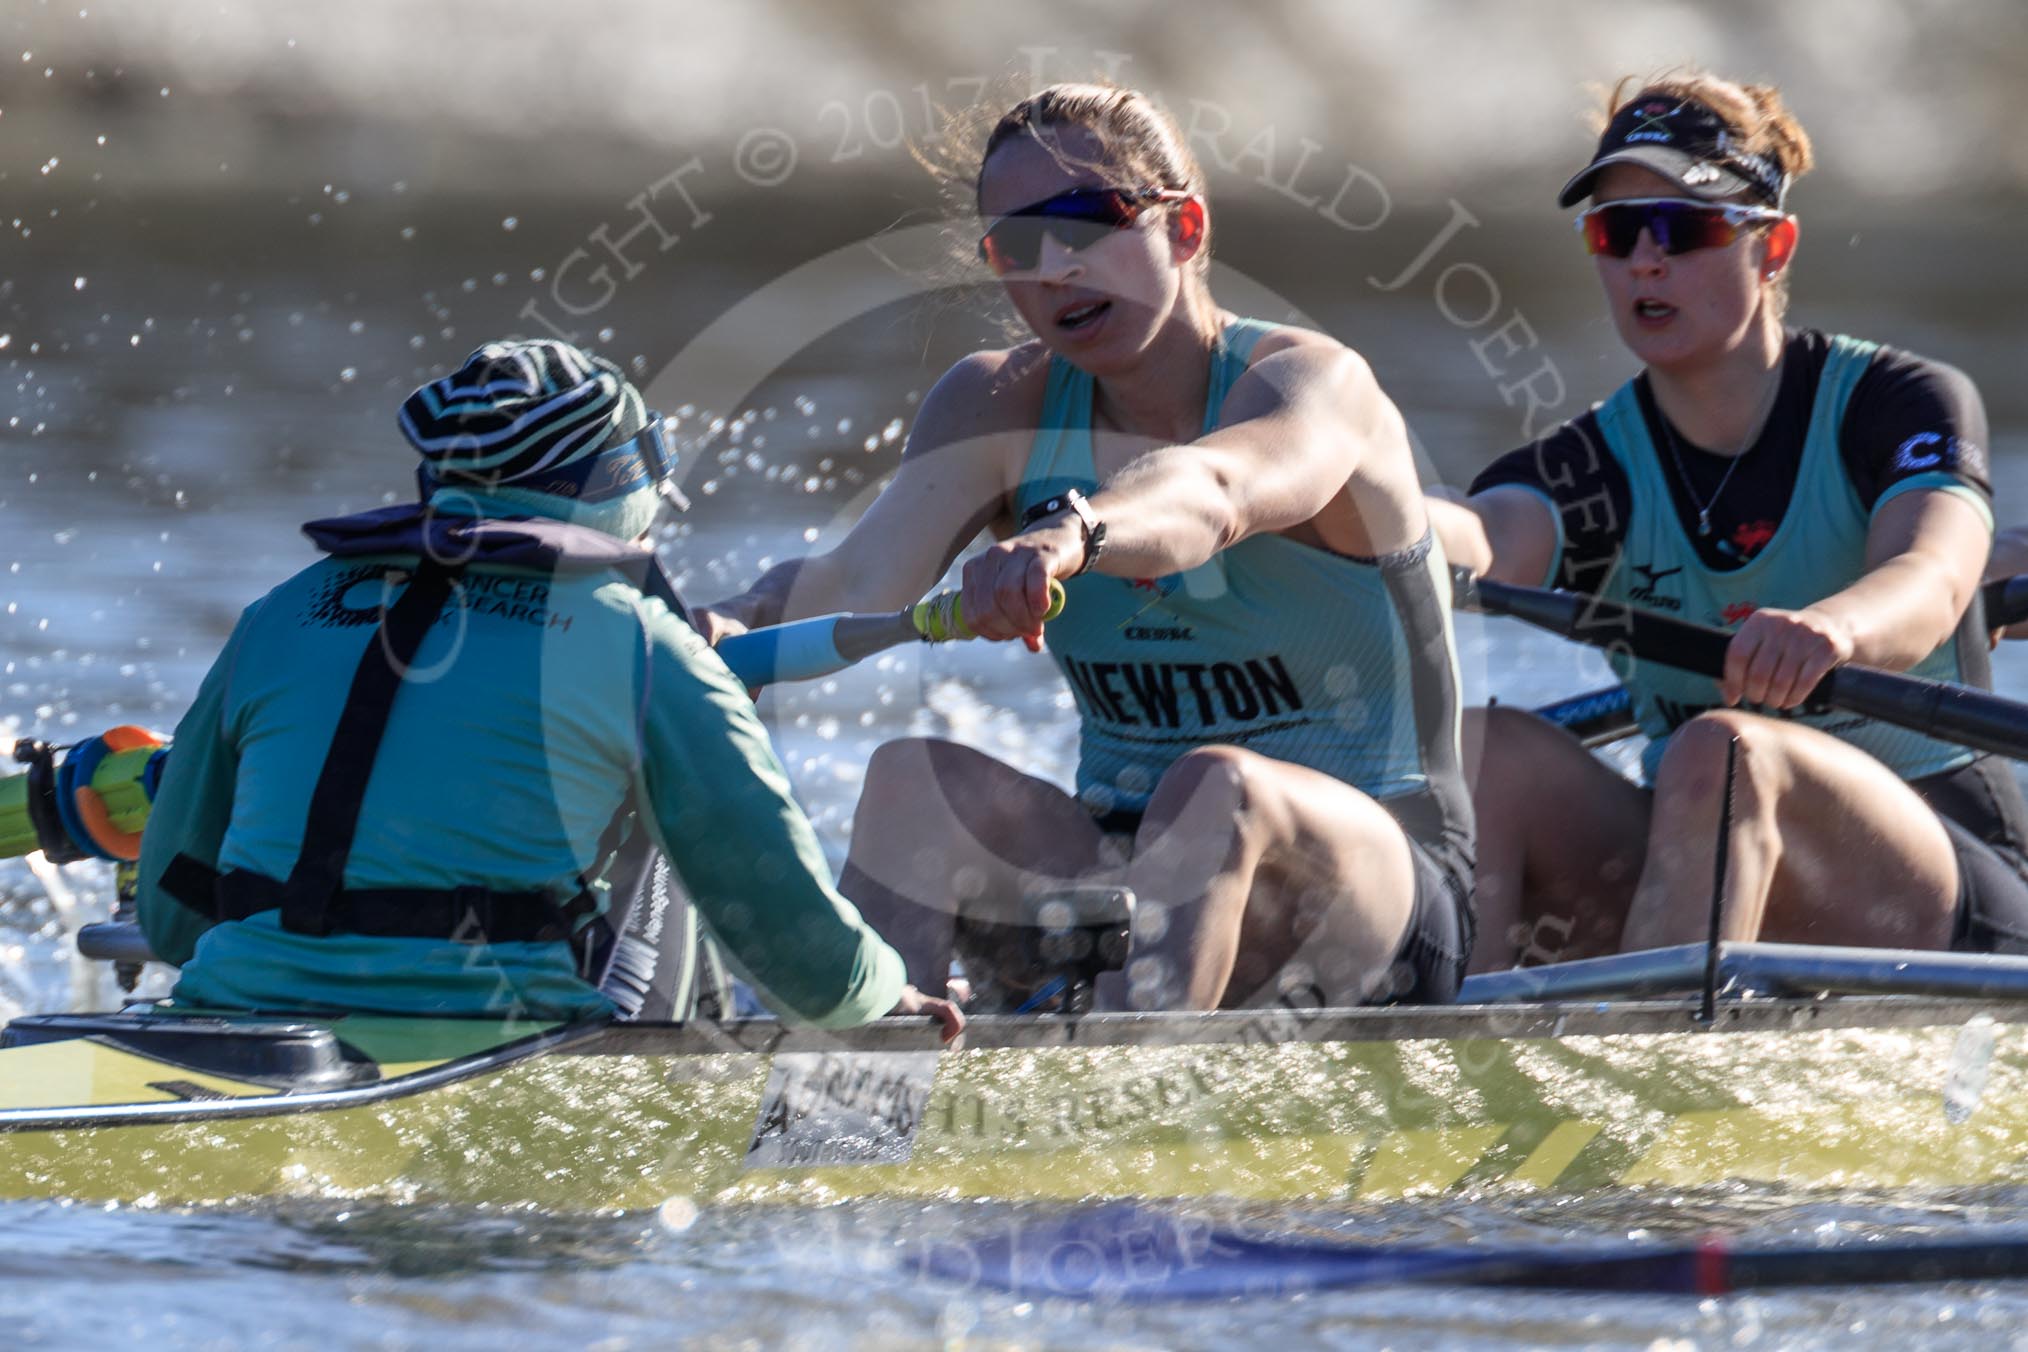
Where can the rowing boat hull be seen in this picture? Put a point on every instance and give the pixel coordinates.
(1335, 1106)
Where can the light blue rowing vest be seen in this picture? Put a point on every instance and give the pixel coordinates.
(1819, 548)
(1345, 665)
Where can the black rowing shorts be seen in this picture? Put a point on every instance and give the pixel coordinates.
(1982, 812)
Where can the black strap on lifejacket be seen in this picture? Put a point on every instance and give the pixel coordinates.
(341, 785)
(314, 901)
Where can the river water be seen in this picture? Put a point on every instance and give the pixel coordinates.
(192, 375)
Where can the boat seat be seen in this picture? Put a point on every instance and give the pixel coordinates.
(293, 1056)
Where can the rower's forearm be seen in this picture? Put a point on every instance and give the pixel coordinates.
(1899, 612)
(1167, 519)
(747, 854)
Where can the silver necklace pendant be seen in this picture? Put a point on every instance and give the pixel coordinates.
(1704, 521)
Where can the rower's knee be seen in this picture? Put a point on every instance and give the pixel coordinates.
(894, 769)
(1515, 756)
(900, 773)
(1693, 766)
(1208, 783)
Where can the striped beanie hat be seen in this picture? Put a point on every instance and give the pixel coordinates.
(540, 427)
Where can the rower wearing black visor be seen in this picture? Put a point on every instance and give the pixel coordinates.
(1824, 497)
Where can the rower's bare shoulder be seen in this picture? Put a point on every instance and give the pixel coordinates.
(996, 393)
(1290, 365)
(1289, 338)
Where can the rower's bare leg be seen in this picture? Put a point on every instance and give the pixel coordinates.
(1561, 836)
(940, 826)
(1828, 845)
(1246, 868)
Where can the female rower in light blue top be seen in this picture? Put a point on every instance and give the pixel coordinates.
(1257, 635)
(1824, 497)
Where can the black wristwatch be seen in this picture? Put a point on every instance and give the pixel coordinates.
(1074, 502)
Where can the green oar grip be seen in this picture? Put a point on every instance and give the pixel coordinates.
(117, 780)
(941, 618)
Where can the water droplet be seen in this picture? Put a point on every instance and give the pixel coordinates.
(78, 285)
(349, 374)
(510, 223)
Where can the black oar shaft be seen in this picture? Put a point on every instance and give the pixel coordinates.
(1603, 716)
(1956, 713)
(2006, 600)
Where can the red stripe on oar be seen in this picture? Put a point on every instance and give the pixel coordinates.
(1711, 1273)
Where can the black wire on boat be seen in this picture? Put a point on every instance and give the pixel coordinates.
(1707, 1013)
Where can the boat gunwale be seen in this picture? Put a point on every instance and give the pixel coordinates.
(13, 1120)
(1545, 1020)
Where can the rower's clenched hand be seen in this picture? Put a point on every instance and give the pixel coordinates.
(1777, 657)
(944, 1012)
(1006, 588)
(714, 626)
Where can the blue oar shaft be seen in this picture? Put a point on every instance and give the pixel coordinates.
(807, 649)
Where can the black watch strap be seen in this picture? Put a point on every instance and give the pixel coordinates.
(1079, 506)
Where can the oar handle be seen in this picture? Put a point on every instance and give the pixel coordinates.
(803, 650)
(941, 618)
